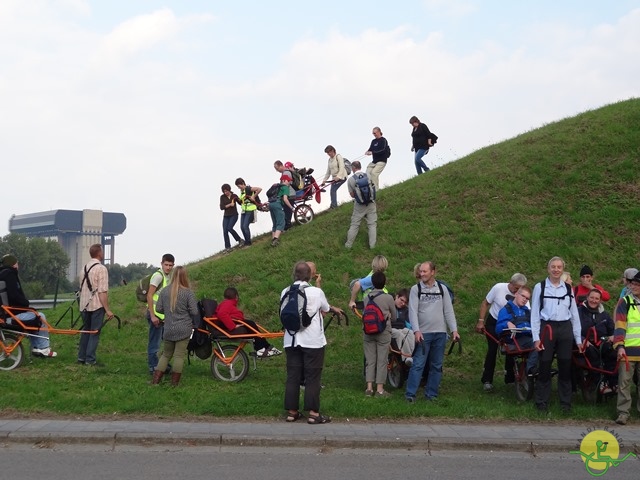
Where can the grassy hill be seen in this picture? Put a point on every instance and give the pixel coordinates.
(569, 188)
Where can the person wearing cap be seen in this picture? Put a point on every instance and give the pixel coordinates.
(628, 274)
(13, 296)
(288, 211)
(554, 309)
(581, 291)
(626, 342)
(495, 300)
(276, 208)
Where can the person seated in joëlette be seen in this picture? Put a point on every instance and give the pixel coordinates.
(228, 312)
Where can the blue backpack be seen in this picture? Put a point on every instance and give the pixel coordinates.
(366, 188)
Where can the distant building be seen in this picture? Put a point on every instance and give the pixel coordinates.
(76, 231)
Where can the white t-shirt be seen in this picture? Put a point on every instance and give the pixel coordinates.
(313, 335)
(497, 297)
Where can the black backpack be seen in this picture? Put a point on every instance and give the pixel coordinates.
(272, 193)
(293, 310)
(200, 342)
(543, 296)
(366, 188)
(373, 321)
(440, 293)
(247, 195)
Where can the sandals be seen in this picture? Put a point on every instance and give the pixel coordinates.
(318, 419)
(292, 417)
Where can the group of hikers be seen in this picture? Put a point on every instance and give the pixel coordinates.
(281, 196)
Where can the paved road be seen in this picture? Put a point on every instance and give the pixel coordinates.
(424, 436)
(100, 462)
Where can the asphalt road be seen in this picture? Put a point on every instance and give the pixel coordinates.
(100, 462)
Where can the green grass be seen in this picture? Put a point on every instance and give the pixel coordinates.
(569, 188)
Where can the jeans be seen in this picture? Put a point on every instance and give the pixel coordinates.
(420, 165)
(155, 339)
(334, 192)
(227, 228)
(89, 341)
(432, 347)
(246, 219)
(40, 340)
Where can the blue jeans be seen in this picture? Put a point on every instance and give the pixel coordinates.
(246, 219)
(227, 228)
(334, 192)
(40, 340)
(89, 341)
(431, 347)
(155, 340)
(420, 165)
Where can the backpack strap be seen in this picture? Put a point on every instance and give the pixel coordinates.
(568, 294)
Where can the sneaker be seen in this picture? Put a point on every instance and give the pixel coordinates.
(488, 387)
(240, 244)
(410, 399)
(368, 393)
(43, 352)
(268, 352)
(605, 388)
(383, 394)
(408, 361)
(622, 419)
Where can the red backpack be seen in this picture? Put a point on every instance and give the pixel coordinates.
(373, 320)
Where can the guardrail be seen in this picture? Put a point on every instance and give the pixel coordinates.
(48, 303)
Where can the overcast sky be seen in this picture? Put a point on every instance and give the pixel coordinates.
(147, 107)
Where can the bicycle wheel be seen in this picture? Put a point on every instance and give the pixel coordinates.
(14, 358)
(395, 373)
(524, 384)
(234, 371)
(303, 214)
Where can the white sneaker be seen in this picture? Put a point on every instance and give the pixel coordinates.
(44, 352)
(408, 361)
(488, 387)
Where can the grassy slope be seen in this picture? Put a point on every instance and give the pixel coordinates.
(566, 189)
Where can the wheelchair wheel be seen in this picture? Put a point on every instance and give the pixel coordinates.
(303, 214)
(524, 383)
(9, 361)
(230, 372)
(395, 371)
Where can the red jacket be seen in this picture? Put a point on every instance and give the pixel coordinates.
(227, 312)
(581, 293)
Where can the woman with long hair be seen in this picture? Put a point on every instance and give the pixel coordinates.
(178, 303)
(229, 217)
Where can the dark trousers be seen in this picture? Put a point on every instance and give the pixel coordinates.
(288, 214)
(303, 364)
(89, 341)
(492, 352)
(560, 343)
(258, 343)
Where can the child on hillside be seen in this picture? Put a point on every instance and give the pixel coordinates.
(228, 312)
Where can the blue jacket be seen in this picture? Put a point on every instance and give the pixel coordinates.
(520, 316)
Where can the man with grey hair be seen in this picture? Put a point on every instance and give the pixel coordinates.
(627, 276)
(495, 300)
(430, 314)
(555, 325)
(364, 206)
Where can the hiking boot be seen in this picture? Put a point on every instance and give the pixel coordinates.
(175, 379)
(157, 376)
(43, 352)
(622, 419)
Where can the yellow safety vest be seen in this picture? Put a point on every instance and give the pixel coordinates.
(156, 294)
(245, 204)
(632, 336)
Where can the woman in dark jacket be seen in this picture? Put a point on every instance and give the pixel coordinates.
(423, 139)
(230, 217)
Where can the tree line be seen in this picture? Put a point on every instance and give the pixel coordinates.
(43, 266)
